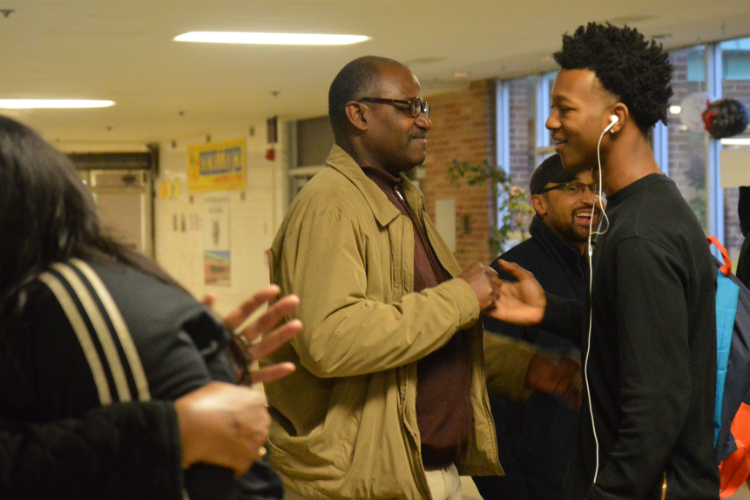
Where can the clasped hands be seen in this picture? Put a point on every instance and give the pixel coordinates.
(523, 302)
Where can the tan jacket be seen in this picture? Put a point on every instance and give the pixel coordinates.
(345, 423)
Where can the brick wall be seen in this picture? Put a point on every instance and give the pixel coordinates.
(463, 128)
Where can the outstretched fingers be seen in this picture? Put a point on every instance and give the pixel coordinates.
(514, 270)
(275, 339)
(238, 316)
(209, 300)
(269, 319)
(271, 373)
(520, 302)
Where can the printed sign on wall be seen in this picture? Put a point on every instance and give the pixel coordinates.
(217, 270)
(217, 166)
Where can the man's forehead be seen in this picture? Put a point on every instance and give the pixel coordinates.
(575, 84)
(398, 79)
(568, 80)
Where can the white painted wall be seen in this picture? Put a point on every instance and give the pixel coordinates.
(253, 218)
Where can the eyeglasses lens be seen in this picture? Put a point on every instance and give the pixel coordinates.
(418, 107)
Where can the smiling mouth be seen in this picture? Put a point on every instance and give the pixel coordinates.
(585, 214)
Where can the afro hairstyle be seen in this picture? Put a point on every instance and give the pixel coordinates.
(355, 80)
(636, 71)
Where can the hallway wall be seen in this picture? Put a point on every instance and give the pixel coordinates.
(254, 214)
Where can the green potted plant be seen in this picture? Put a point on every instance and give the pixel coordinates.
(513, 207)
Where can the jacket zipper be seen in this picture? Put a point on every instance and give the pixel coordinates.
(398, 193)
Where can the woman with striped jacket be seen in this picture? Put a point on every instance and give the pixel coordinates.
(86, 323)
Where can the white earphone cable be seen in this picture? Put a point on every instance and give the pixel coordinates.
(590, 252)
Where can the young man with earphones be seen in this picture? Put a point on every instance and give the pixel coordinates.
(648, 334)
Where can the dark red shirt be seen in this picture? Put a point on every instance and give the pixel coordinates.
(444, 376)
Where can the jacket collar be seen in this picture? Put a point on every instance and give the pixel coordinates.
(385, 211)
(567, 254)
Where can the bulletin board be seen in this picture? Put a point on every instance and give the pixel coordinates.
(217, 166)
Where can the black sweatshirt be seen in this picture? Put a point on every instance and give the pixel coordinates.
(652, 364)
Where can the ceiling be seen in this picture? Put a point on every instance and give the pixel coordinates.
(165, 90)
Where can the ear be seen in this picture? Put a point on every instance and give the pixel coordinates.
(357, 114)
(621, 111)
(539, 205)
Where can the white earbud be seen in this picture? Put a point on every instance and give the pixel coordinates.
(612, 120)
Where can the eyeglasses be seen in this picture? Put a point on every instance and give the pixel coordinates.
(573, 188)
(416, 106)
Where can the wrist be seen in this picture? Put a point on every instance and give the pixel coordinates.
(186, 430)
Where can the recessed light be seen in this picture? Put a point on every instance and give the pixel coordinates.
(675, 110)
(269, 38)
(460, 75)
(737, 141)
(53, 103)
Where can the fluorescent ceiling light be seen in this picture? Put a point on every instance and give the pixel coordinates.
(53, 103)
(738, 141)
(675, 110)
(269, 38)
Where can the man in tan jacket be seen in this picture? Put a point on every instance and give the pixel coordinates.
(389, 398)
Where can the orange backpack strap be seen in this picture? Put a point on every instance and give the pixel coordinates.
(726, 269)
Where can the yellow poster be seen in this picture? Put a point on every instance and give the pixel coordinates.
(217, 166)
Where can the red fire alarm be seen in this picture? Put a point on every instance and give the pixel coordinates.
(271, 154)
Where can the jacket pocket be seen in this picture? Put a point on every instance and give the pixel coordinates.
(326, 451)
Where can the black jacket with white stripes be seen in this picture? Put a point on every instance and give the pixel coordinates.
(93, 334)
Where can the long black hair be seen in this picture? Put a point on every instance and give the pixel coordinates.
(47, 215)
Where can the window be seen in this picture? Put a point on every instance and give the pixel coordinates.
(735, 57)
(687, 148)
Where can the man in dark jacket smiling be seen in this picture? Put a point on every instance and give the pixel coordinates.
(536, 437)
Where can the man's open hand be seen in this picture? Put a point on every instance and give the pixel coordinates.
(521, 302)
